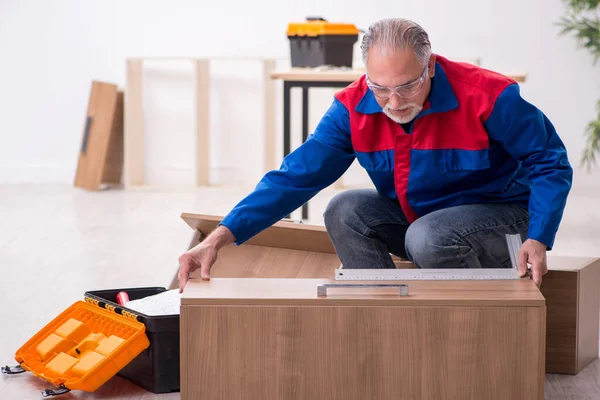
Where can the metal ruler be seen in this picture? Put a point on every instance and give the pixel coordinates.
(513, 242)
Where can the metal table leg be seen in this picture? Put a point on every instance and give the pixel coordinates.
(287, 88)
(305, 135)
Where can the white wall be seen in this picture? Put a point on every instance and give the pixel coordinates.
(51, 50)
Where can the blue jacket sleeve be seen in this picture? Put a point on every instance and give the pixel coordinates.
(529, 137)
(314, 165)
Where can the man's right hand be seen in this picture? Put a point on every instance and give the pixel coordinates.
(203, 256)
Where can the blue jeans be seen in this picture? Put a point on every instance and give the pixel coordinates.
(365, 227)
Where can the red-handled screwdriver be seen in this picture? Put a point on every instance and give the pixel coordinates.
(122, 298)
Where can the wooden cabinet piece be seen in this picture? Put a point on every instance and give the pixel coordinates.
(276, 339)
(571, 288)
(572, 291)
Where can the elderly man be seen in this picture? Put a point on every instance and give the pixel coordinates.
(457, 157)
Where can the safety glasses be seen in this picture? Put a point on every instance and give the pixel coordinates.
(407, 90)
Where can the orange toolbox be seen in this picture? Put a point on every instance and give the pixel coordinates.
(82, 348)
(317, 42)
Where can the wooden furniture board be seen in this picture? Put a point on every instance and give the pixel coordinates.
(285, 250)
(283, 234)
(572, 291)
(275, 338)
(101, 151)
(292, 250)
(303, 291)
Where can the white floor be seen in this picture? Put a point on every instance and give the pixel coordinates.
(57, 242)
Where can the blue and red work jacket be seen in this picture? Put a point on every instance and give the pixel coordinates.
(475, 141)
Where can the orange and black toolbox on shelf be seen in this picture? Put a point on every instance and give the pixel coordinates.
(316, 43)
(93, 340)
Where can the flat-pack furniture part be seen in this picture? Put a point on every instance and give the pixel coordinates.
(278, 338)
(282, 339)
(571, 287)
(101, 151)
(572, 291)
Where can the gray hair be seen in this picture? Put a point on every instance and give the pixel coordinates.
(394, 34)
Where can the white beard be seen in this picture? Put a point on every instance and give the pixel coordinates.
(416, 109)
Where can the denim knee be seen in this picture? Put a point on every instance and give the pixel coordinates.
(428, 247)
(341, 210)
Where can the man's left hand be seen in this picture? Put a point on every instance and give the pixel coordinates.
(534, 253)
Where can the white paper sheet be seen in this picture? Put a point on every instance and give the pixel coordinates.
(165, 303)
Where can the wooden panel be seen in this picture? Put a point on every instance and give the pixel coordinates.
(202, 121)
(559, 288)
(402, 263)
(98, 128)
(134, 124)
(262, 261)
(113, 170)
(381, 353)
(253, 261)
(588, 315)
(571, 289)
(282, 234)
(249, 261)
(300, 291)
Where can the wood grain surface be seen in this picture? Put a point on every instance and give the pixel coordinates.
(292, 352)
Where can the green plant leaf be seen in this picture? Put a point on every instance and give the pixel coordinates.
(582, 5)
(592, 133)
(586, 32)
(583, 22)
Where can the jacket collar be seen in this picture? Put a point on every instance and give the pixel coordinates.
(441, 97)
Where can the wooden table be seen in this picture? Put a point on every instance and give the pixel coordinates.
(307, 78)
(340, 75)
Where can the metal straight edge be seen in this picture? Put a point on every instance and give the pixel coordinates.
(427, 274)
(514, 245)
